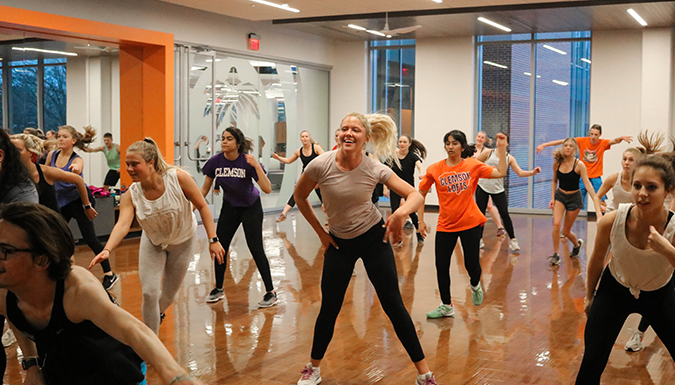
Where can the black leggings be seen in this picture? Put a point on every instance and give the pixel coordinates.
(291, 200)
(502, 205)
(612, 304)
(252, 219)
(395, 201)
(380, 264)
(445, 245)
(75, 210)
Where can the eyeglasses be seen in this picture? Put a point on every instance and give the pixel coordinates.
(6, 250)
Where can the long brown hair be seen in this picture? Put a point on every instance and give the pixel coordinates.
(558, 155)
(82, 141)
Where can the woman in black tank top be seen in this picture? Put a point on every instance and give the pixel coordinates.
(30, 148)
(566, 197)
(312, 150)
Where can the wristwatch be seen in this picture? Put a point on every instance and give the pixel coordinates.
(87, 207)
(214, 240)
(29, 362)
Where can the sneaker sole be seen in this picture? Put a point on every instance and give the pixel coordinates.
(633, 350)
(318, 381)
(214, 300)
(442, 316)
(261, 306)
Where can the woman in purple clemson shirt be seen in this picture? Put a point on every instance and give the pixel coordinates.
(234, 171)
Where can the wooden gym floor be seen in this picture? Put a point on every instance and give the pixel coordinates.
(529, 329)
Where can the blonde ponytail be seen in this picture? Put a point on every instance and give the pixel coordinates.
(149, 151)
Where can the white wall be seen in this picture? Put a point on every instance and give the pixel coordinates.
(349, 82)
(191, 25)
(444, 94)
(631, 85)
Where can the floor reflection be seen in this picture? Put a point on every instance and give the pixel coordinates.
(529, 329)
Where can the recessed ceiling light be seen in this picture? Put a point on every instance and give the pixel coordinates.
(378, 33)
(437, 1)
(275, 5)
(637, 17)
(43, 51)
(354, 26)
(560, 82)
(495, 64)
(492, 23)
(585, 60)
(555, 49)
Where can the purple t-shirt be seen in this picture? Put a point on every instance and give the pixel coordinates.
(235, 179)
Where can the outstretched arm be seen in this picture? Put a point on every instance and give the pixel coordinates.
(288, 160)
(93, 149)
(619, 139)
(53, 173)
(540, 148)
(519, 171)
(121, 229)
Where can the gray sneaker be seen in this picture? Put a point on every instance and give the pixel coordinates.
(576, 249)
(270, 299)
(554, 259)
(215, 295)
(408, 226)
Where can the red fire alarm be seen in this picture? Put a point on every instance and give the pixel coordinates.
(253, 42)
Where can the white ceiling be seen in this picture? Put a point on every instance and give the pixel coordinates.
(246, 9)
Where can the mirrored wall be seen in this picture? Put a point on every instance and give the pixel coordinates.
(271, 102)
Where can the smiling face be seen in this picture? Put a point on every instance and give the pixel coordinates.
(649, 191)
(481, 138)
(352, 135)
(137, 167)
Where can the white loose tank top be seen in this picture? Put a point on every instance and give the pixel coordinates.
(637, 269)
(493, 186)
(619, 195)
(169, 219)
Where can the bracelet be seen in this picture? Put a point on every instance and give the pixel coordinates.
(109, 252)
(181, 377)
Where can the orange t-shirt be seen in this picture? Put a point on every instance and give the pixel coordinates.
(592, 155)
(455, 187)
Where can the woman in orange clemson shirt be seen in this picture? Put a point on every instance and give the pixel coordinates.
(456, 179)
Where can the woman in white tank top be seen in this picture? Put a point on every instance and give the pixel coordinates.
(619, 183)
(638, 278)
(162, 197)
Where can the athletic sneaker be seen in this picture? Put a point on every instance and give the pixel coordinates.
(270, 299)
(576, 249)
(442, 311)
(513, 245)
(215, 295)
(310, 375)
(482, 244)
(501, 231)
(420, 238)
(634, 344)
(408, 226)
(554, 259)
(426, 379)
(109, 281)
(477, 295)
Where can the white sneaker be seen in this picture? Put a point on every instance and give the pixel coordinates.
(513, 245)
(426, 379)
(482, 244)
(8, 339)
(310, 375)
(634, 344)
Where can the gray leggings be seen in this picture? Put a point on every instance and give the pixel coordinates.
(161, 273)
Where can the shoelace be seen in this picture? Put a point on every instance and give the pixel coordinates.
(307, 373)
(430, 381)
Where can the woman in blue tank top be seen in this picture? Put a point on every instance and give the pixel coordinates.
(566, 196)
(67, 195)
(313, 150)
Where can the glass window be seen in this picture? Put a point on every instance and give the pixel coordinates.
(55, 97)
(23, 100)
(522, 36)
(389, 43)
(56, 61)
(560, 78)
(393, 84)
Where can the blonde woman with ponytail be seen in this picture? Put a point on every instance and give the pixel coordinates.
(566, 199)
(162, 197)
(356, 230)
(67, 196)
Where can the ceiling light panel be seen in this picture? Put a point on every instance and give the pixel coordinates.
(285, 7)
(637, 17)
(24, 49)
(492, 23)
(357, 27)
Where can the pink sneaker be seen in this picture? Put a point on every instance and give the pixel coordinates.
(310, 375)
